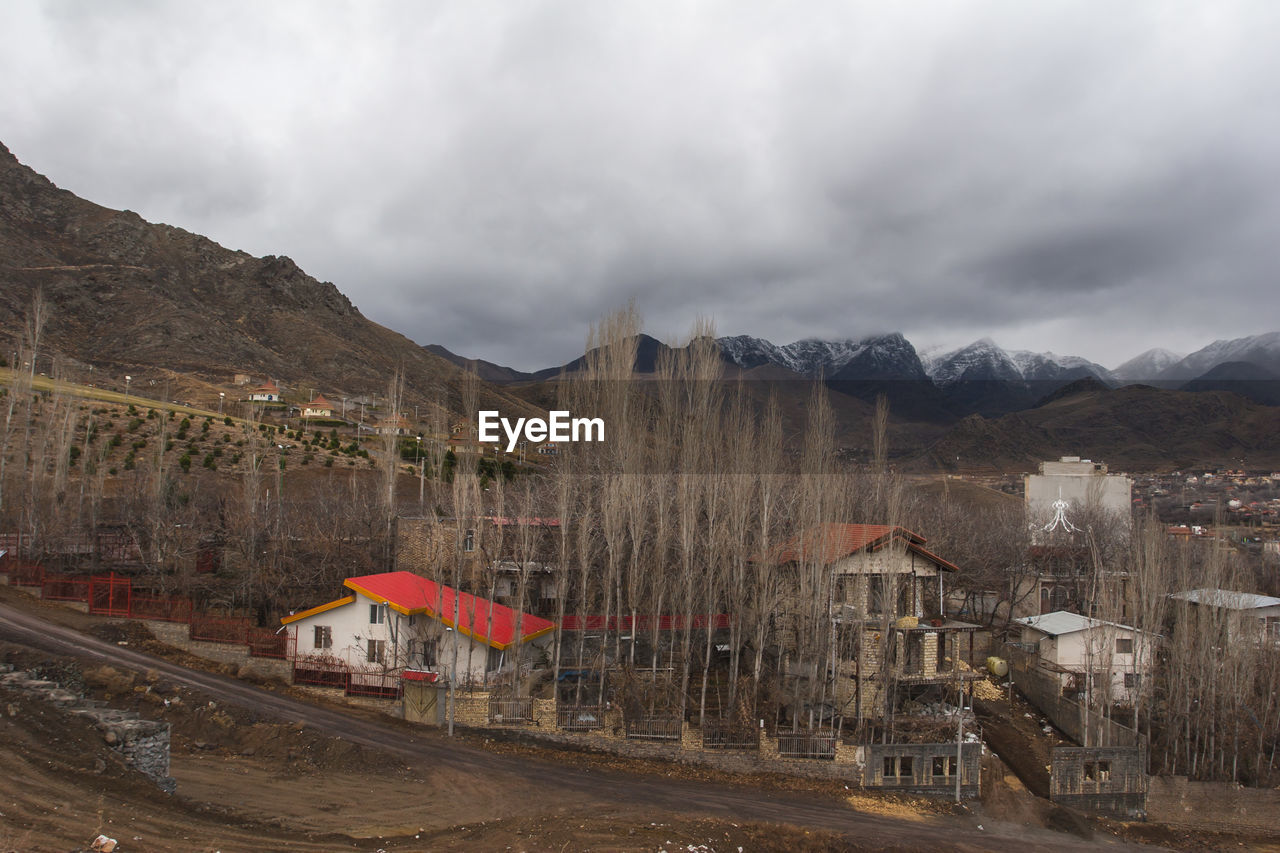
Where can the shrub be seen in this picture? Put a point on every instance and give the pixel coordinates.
(184, 462)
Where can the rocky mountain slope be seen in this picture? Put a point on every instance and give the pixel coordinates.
(125, 295)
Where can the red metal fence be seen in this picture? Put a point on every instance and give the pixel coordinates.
(161, 608)
(320, 672)
(113, 595)
(219, 629)
(376, 684)
(110, 595)
(266, 643)
(23, 573)
(65, 587)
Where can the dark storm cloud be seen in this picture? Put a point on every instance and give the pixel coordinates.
(494, 177)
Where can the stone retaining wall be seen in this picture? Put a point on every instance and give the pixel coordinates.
(144, 744)
(178, 635)
(1177, 801)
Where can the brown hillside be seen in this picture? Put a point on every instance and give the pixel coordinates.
(1136, 427)
(127, 295)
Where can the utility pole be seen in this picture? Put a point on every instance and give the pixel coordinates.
(959, 732)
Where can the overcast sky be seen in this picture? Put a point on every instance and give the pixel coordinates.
(1088, 178)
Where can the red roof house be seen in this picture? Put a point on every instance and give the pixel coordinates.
(399, 620)
(829, 543)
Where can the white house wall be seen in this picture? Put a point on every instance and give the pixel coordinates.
(351, 631)
(1093, 650)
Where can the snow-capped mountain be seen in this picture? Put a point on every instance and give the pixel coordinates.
(1262, 350)
(979, 361)
(873, 357)
(1050, 367)
(1147, 365)
(985, 361)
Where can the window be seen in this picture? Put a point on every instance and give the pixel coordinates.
(842, 589)
(377, 614)
(898, 769)
(469, 541)
(914, 664)
(944, 765)
(876, 602)
(1124, 645)
(324, 637)
(377, 651)
(1097, 771)
(1131, 680)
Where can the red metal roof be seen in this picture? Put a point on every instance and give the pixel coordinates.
(478, 618)
(419, 675)
(827, 543)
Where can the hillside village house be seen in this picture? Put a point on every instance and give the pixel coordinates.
(398, 620)
(1236, 616)
(1089, 655)
(318, 408)
(394, 425)
(886, 606)
(268, 392)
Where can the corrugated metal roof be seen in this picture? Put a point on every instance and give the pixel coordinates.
(1227, 599)
(480, 618)
(1065, 622)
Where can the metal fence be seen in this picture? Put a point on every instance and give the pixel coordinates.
(65, 587)
(320, 672)
(656, 727)
(725, 734)
(376, 685)
(580, 718)
(511, 710)
(821, 745)
(219, 629)
(266, 643)
(161, 608)
(110, 595)
(22, 573)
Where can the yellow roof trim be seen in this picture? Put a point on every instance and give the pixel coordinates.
(318, 609)
(377, 598)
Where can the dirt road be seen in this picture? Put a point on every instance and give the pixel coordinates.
(594, 788)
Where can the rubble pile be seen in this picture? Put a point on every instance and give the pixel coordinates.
(144, 744)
